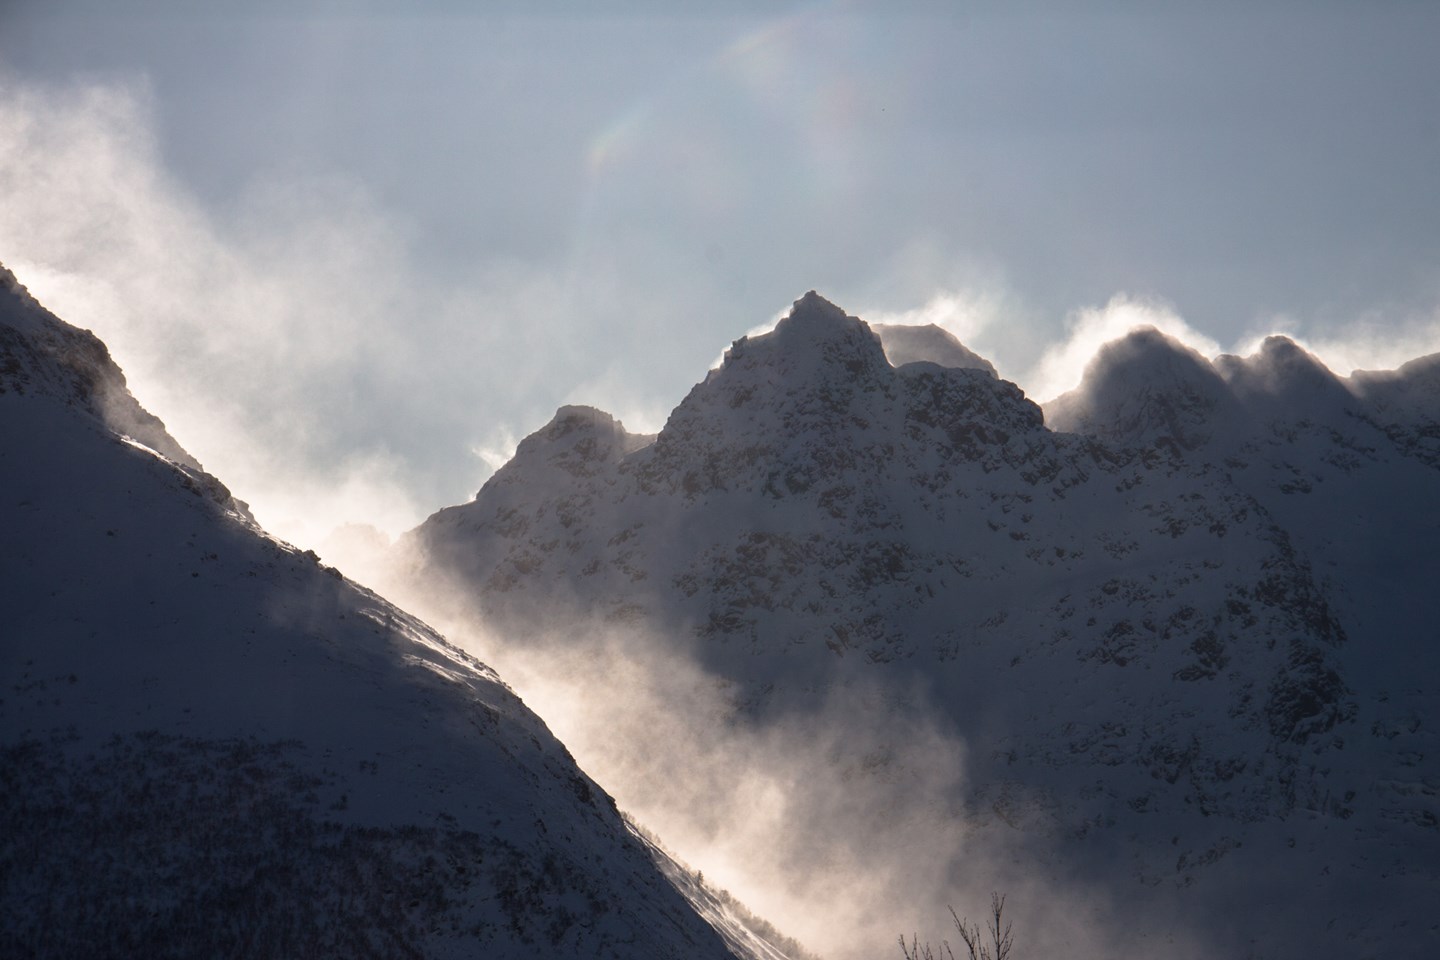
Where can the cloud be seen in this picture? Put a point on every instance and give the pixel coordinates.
(964, 314)
(758, 330)
(1378, 339)
(834, 826)
(615, 391)
(843, 823)
(497, 449)
(1061, 367)
(290, 341)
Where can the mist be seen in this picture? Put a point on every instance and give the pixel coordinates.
(296, 343)
(296, 339)
(292, 341)
(844, 825)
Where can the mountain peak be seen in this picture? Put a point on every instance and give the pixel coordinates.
(579, 441)
(812, 304)
(1149, 356)
(816, 335)
(1282, 372)
(812, 318)
(575, 416)
(1142, 389)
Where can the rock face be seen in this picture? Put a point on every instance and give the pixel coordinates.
(215, 746)
(1198, 607)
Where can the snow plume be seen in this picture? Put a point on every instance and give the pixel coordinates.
(842, 825)
(759, 330)
(1376, 340)
(966, 315)
(281, 343)
(1373, 341)
(1062, 366)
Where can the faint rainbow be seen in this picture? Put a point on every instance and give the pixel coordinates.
(612, 140)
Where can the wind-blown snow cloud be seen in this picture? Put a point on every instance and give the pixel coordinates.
(843, 825)
(965, 315)
(289, 345)
(796, 820)
(1062, 366)
(1372, 341)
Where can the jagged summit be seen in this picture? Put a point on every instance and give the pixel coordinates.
(1147, 389)
(571, 418)
(1193, 642)
(579, 441)
(813, 308)
(815, 337)
(815, 394)
(817, 343)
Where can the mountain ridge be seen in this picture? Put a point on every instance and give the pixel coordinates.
(1165, 576)
(215, 745)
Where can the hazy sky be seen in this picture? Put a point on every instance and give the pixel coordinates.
(351, 253)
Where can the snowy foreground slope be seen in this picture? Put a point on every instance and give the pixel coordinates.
(214, 746)
(1184, 636)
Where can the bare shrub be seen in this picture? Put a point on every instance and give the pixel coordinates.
(992, 943)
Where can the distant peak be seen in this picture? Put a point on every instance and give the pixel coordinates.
(1281, 367)
(1278, 348)
(1144, 388)
(1147, 358)
(579, 441)
(580, 424)
(582, 415)
(1150, 336)
(815, 334)
(905, 343)
(812, 314)
(813, 302)
(1150, 345)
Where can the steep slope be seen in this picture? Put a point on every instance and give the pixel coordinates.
(1405, 403)
(1345, 467)
(1157, 655)
(215, 746)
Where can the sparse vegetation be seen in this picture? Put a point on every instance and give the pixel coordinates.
(993, 942)
(162, 846)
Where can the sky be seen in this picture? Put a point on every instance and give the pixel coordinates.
(351, 253)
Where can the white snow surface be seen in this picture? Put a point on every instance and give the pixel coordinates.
(1188, 630)
(215, 745)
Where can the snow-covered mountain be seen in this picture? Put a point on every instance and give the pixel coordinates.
(1188, 629)
(215, 746)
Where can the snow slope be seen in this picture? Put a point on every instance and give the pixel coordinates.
(215, 746)
(1187, 629)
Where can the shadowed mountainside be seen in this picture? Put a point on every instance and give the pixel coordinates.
(214, 745)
